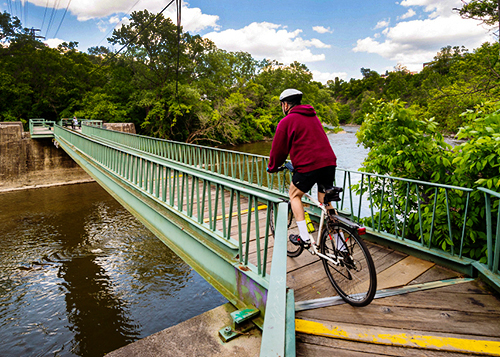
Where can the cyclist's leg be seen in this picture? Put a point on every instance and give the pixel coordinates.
(326, 177)
(296, 195)
(302, 182)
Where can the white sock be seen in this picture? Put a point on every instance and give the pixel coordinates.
(304, 233)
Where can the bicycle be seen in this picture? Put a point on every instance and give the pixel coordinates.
(345, 256)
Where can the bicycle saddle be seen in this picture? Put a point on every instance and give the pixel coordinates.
(332, 193)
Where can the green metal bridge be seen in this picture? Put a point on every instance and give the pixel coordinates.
(212, 207)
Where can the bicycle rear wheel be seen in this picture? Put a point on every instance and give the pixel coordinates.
(352, 272)
(292, 250)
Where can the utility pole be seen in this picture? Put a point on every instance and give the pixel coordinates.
(33, 32)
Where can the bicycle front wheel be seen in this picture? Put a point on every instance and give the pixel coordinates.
(350, 269)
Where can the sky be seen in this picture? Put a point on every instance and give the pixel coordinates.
(333, 38)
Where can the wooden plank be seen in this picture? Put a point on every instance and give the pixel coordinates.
(430, 299)
(438, 272)
(402, 272)
(398, 337)
(439, 319)
(312, 346)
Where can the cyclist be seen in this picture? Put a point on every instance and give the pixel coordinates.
(301, 135)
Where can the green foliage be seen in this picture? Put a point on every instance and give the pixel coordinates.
(344, 114)
(403, 143)
(99, 106)
(454, 81)
(477, 160)
(217, 88)
(484, 10)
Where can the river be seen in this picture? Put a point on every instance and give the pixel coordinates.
(80, 276)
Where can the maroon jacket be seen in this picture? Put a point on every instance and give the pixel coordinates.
(301, 135)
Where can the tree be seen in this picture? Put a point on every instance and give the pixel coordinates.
(482, 10)
(486, 11)
(9, 27)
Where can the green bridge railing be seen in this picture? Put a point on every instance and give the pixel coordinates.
(490, 270)
(206, 220)
(397, 199)
(39, 123)
(236, 165)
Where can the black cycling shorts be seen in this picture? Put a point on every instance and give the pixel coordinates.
(306, 180)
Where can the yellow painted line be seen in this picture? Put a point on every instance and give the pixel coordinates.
(461, 345)
(261, 207)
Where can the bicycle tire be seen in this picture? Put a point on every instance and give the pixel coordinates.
(354, 278)
(292, 250)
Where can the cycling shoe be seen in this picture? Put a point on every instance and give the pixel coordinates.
(297, 240)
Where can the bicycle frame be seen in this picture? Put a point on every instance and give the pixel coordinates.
(321, 206)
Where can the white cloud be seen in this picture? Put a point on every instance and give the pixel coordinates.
(408, 14)
(114, 20)
(323, 77)
(53, 42)
(271, 41)
(414, 42)
(192, 18)
(435, 7)
(321, 29)
(381, 24)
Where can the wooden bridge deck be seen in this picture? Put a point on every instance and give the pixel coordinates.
(39, 131)
(466, 311)
(459, 315)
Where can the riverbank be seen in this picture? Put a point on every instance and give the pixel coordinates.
(178, 340)
(31, 187)
(26, 163)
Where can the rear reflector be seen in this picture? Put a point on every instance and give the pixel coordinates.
(361, 231)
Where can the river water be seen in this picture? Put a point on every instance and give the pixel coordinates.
(80, 276)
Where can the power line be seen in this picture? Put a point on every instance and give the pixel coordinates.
(64, 15)
(9, 5)
(25, 4)
(179, 4)
(44, 14)
(20, 12)
(56, 5)
(128, 13)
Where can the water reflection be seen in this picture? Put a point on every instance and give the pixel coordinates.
(79, 276)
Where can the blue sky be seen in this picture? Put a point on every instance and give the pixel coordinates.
(332, 38)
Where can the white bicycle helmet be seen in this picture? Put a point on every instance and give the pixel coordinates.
(291, 94)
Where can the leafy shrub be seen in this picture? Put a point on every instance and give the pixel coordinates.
(403, 144)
